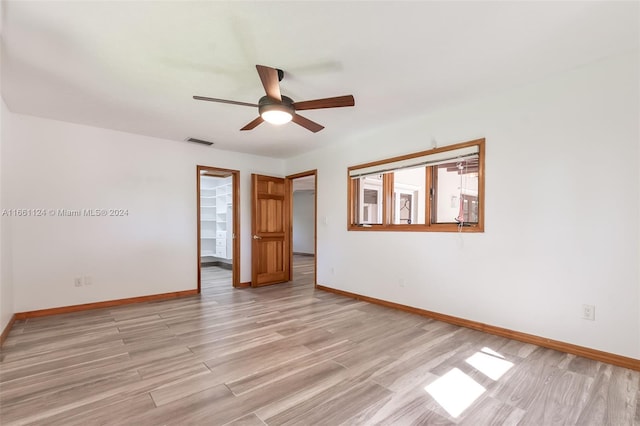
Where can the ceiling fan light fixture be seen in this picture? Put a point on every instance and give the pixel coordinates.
(276, 116)
(276, 112)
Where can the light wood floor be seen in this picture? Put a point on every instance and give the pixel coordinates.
(289, 354)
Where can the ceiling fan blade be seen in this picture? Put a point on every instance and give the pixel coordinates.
(337, 102)
(306, 123)
(270, 81)
(224, 101)
(253, 124)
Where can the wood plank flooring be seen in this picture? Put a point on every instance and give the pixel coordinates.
(292, 355)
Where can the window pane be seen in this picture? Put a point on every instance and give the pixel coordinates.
(456, 192)
(369, 200)
(409, 196)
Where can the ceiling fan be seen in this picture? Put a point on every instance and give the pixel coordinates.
(278, 109)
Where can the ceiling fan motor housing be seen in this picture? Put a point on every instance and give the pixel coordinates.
(269, 104)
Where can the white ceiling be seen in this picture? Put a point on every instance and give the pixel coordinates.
(135, 65)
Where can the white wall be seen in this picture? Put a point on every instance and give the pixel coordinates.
(55, 165)
(303, 217)
(6, 283)
(562, 205)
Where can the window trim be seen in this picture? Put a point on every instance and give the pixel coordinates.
(387, 195)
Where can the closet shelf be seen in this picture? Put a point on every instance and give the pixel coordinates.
(215, 217)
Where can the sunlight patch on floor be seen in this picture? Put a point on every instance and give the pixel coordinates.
(489, 363)
(455, 391)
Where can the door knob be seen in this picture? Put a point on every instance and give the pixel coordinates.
(256, 237)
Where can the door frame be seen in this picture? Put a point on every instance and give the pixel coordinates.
(290, 178)
(235, 237)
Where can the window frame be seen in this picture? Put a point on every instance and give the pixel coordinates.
(388, 189)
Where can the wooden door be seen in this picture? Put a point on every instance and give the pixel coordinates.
(270, 221)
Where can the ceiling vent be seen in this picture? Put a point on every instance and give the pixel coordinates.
(200, 141)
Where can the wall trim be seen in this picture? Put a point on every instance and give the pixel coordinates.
(105, 304)
(7, 330)
(609, 358)
(244, 285)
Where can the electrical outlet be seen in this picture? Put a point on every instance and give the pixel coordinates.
(589, 312)
(77, 281)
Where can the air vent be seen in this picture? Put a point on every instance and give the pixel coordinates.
(200, 141)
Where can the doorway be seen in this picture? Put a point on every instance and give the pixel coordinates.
(218, 229)
(304, 223)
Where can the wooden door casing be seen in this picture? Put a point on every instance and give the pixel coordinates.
(234, 230)
(270, 230)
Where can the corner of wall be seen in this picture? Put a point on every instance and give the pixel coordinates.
(6, 281)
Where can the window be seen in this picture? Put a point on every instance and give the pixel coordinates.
(437, 190)
(369, 199)
(409, 192)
